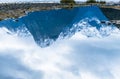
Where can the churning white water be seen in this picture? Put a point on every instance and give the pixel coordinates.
(77, 57)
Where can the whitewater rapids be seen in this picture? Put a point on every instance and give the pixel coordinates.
(88, 54)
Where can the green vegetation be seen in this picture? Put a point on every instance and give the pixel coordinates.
(102, 2)
(94, 1)
(91, 1)
(67, 1)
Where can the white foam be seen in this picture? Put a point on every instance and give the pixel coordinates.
(78, 57)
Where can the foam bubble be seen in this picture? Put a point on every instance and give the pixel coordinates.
(78, 57)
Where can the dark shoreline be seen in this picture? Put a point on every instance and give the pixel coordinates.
(111, 14)
(15, 10)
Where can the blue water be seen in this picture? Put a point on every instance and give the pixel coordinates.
(49, 24)
(60, 44)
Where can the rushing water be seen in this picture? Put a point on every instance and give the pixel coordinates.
(60, 44)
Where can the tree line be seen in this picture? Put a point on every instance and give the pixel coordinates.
(94, 1)
(88, 1)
